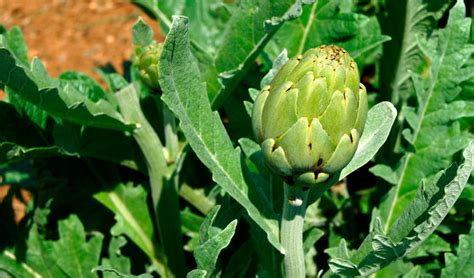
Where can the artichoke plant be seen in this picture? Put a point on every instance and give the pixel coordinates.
(310, 118)
(148, 63)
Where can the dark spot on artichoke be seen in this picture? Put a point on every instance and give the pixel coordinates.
(274, 147)
(320, 162)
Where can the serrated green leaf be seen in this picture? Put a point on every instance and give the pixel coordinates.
(186, 96)
(435, 134)
(207, 230)
(385, 172)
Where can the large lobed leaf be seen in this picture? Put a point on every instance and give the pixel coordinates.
(186, 96)
(66, 100)
(434, 134)
(21, 139)
(421, 217)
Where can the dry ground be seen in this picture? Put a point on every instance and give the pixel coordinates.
(74, 34)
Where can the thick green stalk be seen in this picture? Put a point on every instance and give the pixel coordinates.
(294, 209)
(163, 190)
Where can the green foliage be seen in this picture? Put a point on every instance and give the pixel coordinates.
(462, 264)
(434, 133)
(55, 258)
(328, 22)
(125, 181)
(418, 221)
(65, 100)
(202, 126)
(128, 203)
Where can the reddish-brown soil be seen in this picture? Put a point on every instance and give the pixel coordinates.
(72, 35)
(75, 35)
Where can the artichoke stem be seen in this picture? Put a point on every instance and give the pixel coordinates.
(294, 209)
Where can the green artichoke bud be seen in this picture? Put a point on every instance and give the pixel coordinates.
(148, 63)
(308, 121)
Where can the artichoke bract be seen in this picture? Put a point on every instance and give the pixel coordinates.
(148, 64)
(308, 121)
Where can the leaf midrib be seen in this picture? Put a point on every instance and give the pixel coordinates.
(122, 208)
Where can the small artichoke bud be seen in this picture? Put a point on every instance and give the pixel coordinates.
(148, 64)
(308, 121)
